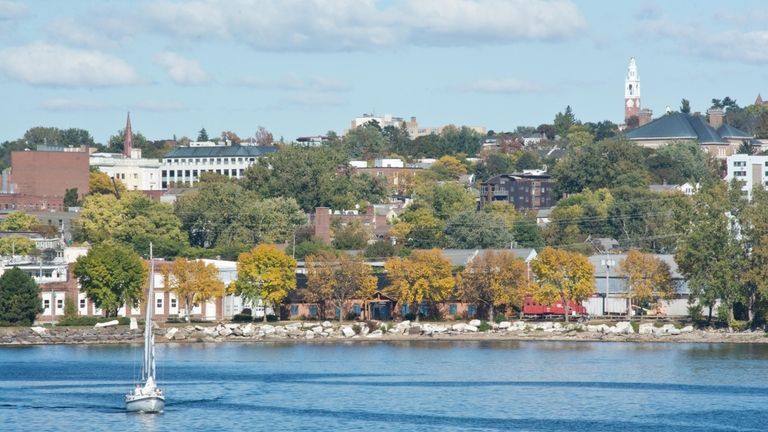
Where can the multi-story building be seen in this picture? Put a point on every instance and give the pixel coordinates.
(526, 191)
(184, 165)
(749, 170)
(135, 173)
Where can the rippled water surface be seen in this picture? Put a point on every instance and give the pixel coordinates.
(410, 386)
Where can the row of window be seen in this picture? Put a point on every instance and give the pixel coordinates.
(195, 173)
(204, 161)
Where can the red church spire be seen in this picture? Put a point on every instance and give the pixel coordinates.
(128, 139)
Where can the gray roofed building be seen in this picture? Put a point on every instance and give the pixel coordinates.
(219, 151)
(719, 139)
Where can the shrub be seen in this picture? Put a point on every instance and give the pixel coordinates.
(739, 326)
(357, 329)
(90, 321)
(410, 316)
(272, 318)
(695, 312)
(373, 325)
(499, 318)
(635, 326)
(484, 326)
(350, 316)
(240, 318)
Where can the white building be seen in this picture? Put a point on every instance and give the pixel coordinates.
(748, 169)
(388, 163)
(184, 165)
(134, 173)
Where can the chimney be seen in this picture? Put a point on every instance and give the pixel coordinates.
(645, 116)
(715, 117)
(128, 138)
(323, 224)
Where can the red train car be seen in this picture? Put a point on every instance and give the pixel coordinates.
(531, 308)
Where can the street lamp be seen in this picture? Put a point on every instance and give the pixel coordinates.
(608, 263)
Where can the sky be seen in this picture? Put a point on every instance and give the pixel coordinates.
(306, 67)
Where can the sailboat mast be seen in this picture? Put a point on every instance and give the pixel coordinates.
(149, 351)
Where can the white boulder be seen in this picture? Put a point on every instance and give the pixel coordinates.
(475, 322)
(267, 329)
(458, 327)
(171, 332)
(317, 329)
(347, 331)
(327, 324)
(686, 329)
(374, 334)
(39, 330)
(505, 325)
(470, 328)
(134, 324)
(108, 323)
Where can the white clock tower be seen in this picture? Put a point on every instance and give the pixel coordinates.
(631, 91)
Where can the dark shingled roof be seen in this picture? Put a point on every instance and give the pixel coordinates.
(228, 151)
(684, 126)
(728, 131)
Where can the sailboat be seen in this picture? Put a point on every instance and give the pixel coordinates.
(148, 398)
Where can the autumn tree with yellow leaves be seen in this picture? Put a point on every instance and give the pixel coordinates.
(424, 276)
(648, 277)
(265, 273)
(338, 279)
(193, 282)
(493, 279)
(562, 276)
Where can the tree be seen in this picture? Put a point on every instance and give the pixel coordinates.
(579, 136)
(101, 184)
(682, 161)
(685, 106)
(193, 282)
(100, 217)
(493, 279)
(19, 298)
(365, 142)
(445, 199)
(338, 279)
(202, 135)
(418, 227)
(648, 277)
(117, 142)
(754, 232)
(562, 276)
(231, 137)
(448, 168)
(112, 275)
(563, 121)
(264, 137)
(471, 229)
(71, 198)
(708, 253)
(265, 274)
(425, 276)
(352, 235)
(18, 221)
(16, 245)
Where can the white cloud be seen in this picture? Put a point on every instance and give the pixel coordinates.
(80, 34)
(294, 83)
(182, 70)
(161, 106)
(507, 86)
(56, 65)
(338, 25)
(11, 10)
(64, 104)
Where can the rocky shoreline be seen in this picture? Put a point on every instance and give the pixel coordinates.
(374, 331)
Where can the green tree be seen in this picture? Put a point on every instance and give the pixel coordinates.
(708, 253)
(579, 136)
(446, 199)
(18, 221)
(117, 141)
(365, 142)
(71, 198)
(352, 235)
(19, 298)
(16, 245)
(265, 274)
(563, 121)
(202, 135)
(685, 106)
(682, 161)
(112, 275)
(471, 229)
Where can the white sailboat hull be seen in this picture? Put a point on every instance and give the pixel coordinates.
(145, 404)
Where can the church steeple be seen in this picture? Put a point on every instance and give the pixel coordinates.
(128, 138)
(631, 91)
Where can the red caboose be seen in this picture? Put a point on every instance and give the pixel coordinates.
(533, 308)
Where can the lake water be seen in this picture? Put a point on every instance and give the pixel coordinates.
(410, 386)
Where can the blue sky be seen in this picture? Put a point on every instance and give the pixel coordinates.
(306, 67)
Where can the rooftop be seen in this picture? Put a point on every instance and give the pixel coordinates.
(685, 127)
(229, 151)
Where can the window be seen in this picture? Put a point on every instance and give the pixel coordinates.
(424, 309)
(159, 302)
(294, 310)
(472, 310)
(173, 302)
(59, 304)
(452, 309)
(82, 303)
(46, 304)
(313, 311)
(338, 312)
(405, 310)
(356, 308)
